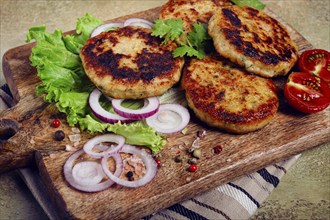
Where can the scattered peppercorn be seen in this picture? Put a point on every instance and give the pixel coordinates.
(195, 143)
(192, 161)
(197, 153)
(217, 149)
(178, 158)
(191, 150)
(59, 135)
(56, 123)
(192, 168)
(201, 134)
(129, 174)
(158, 162)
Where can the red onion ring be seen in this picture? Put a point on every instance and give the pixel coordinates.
(101, 113)
(118, 139)
(104, 27)
(170, 119)
(150, 107)
(67, 170)
(138, 22)
(150, 164)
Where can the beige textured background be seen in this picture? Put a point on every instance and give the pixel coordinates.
(304, 192)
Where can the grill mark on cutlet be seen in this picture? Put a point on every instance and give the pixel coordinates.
(234, 36)
(153, 65)
(149, 64)
(236, 30)
(232, 17)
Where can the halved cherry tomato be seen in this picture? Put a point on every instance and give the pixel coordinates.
(317, 62)
(306, 92)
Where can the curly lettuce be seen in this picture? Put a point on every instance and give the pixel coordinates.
(64, 82)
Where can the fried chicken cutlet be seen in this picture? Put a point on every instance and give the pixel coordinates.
(129, 63)
(254, 40)
(226, 97)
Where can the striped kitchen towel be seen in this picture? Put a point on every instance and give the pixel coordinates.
(238, 199)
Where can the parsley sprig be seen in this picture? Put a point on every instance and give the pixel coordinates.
(190, 44)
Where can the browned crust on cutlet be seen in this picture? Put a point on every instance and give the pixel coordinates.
(258, 42)
(191, 11)
(150, 71)
(221, 95)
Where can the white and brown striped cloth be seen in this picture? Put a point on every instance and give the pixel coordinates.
(238, 199)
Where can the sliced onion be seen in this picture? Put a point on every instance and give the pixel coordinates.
(92, 187)
(87, 173)
(170, 118)
(150, 107)
(105, 27)
(148, 160)
(100, 112)
(138, 22)
(114, 149)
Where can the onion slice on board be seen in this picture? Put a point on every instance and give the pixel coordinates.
(87, 173)
(138, 22)
(105, 27)
(93, 187)
(150, 107)
(100, 112)
(170, 119)
(114, 149)
(148, 160)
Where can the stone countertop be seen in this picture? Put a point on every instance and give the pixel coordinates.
(303, 193)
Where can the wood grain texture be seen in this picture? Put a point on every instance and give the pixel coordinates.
(288, 134)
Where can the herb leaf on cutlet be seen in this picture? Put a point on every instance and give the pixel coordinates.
(193, 44)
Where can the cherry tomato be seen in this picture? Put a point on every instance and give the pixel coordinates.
(316, 62)
(192, 168)
(306, 92)
(56, 123)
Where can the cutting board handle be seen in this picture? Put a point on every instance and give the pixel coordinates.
(14, 153)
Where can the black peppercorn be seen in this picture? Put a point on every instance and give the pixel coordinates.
(129, 175)
(59, 135)
(178, 158)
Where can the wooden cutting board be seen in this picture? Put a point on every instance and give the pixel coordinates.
(288, 134)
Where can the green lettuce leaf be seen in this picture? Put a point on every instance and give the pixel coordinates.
(64, 82)
(252, 3)
(139, 134)
(84, 28)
